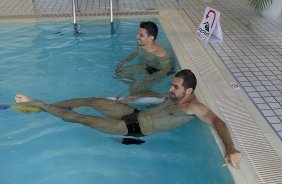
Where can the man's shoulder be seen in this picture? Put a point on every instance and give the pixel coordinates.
(161, 52)
(191, 105)
(197, 107)
(156, 51)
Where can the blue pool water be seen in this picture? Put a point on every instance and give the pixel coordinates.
(47, 61)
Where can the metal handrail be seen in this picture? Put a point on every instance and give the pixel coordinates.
(112, 17)
(74, 10)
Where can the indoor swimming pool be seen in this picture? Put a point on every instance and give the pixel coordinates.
(47, 61)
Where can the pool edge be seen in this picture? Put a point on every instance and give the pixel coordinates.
(216, 91)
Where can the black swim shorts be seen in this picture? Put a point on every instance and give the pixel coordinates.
(151, 69)
(132, 124)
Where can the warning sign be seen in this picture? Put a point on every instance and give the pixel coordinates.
(210, 26)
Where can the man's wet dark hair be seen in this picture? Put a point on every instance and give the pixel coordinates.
(151, 28)
(189, 79)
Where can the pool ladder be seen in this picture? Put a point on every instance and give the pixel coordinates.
(75, 25)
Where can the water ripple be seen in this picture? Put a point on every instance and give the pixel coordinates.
(33, 136)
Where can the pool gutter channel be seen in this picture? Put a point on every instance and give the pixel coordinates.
(78, 14)
(260, 162)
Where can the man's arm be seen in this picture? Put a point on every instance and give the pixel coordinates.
(150, 80)
(126, 60)
(165, 67)
(232, 155)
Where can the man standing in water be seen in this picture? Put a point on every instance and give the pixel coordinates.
(123, 119)
(154, 60)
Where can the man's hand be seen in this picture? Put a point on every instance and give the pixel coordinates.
(233, 156)
(119, 67)
(129, 99)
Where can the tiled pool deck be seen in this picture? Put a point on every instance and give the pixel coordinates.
(251, 50)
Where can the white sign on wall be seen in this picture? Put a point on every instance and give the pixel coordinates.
(210, 26)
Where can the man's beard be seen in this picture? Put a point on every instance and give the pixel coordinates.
(176, 98)
(140, 44)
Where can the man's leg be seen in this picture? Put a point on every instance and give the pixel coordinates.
(143, 85)
(109, 108)
(107, 125)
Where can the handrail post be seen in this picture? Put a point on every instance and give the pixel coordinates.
(74, 11)
(111, 17)
(75, 25)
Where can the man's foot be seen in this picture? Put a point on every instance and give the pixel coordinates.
(19, 98)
